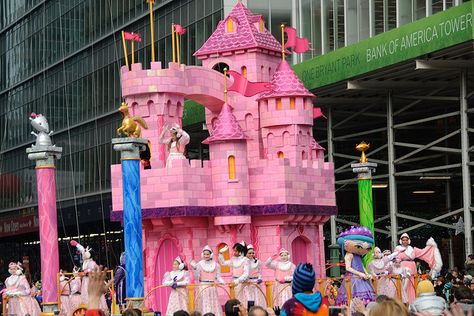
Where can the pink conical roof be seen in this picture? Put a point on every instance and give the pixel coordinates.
(285, 83)
(226, 127)
(245, 35)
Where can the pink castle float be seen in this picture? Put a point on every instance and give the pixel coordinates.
(266, 181)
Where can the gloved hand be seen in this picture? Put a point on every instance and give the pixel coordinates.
(289, 278)
(175, 279)
(236, 281)
(174, 285)
(259, 281)
(277, 310)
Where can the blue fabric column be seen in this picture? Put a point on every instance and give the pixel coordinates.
(132, 221)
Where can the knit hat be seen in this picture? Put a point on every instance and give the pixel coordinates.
(303, 278)
(423, 287)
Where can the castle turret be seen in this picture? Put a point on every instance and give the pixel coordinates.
(228, 155)
(286, 117)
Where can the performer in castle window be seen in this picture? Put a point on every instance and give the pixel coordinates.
(75, 296)
(208, 272)
(252, 286)
(284, 269)
(177, 279)
(119, 281)
(18, 292)
(240, 269)
(355, 243)
(407, 254)
(380, 267)
(176, 143)
(88, 265)
(65, 291)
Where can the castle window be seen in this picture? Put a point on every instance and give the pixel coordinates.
(231, 161)
(244, 71)
(292, 103)
(261, 25)
(279, 104)
(280, 154)
(230, 26)
(304, 156)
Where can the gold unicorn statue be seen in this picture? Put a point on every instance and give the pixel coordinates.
(130, 124)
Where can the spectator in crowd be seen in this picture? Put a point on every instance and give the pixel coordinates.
(426, 299)
(257, 311)
(469, 265)
(389, 307)
(464, 298)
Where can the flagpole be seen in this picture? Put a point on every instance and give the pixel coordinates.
(133, 50)
(178, 52)
(282, 41)
(124, 43)
(225, 85)
(173, 46)
(152, 29)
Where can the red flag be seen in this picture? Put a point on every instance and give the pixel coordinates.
(132, 36)
(298, 44)
(179, 29)
(318, 113)
(245, 87)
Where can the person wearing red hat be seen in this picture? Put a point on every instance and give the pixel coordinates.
(284, 269)
(208, 272)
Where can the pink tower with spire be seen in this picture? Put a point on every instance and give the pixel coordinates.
(266, 181)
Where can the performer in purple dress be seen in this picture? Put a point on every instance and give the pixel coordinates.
(355, 243)
(119, 282)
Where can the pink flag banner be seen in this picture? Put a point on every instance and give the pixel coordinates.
(317, 113)
(245, 87)
(298, 44)
(132, 36)
(179, 29)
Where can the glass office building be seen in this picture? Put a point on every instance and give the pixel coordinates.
(62, 59)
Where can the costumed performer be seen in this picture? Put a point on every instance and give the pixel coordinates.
(355, 243)
(75, 296)
(177, 279)
(65, 291)
(380, 268)
(240, 269)
(119, 282)
(176, 143)
(18, 292)
(252, 286)
(208, 272)
(405, 277)
(88, 265)
(284, 269)
(407, 254)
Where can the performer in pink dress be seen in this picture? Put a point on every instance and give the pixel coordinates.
(176, 143)
(284, 269)
(208, 272)
(240, 269)
(380, 268)
(252, 285)
(88, 265)
(177, 279)
(407, 254)
(20, 301)
(405, 278)
(75, 296)
(65, 290)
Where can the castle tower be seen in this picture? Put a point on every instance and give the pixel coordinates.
(286, 117)
(242, 43)
(228, 153)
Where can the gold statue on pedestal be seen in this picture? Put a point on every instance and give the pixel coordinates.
(362, 147)
(131, 125)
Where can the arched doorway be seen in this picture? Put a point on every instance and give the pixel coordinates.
(164, 262)
(299, 249)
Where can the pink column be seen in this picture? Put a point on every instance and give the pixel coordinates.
(48, 229)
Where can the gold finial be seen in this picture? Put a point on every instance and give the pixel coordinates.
(225, 85)
(362, 147)
(282, 41)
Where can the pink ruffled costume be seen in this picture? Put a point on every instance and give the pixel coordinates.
(283, 277)
(65, 289)
(207, 300)
(430, 254)
(253, 288)
(20, 301)
(75, 296)
(176, 148)
(87, 266)
(381, 268)
(240, 273)
(179, 296)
